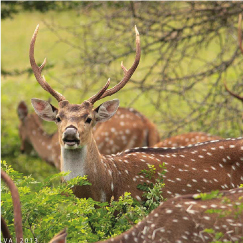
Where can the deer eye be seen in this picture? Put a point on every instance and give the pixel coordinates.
(88, 120)
(58, 119)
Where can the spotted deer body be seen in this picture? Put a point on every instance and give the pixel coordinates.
(126, 129)
(186, 139)
(198, 168)
(186, 218)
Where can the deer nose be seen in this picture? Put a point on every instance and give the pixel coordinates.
(70, 133)
(70, 136)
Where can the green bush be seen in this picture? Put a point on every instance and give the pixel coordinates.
(50, 206)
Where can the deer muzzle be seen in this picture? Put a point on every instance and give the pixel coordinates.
(70, 137)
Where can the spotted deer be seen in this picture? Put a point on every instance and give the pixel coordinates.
(199, 168)
(187, 218)
(59, 238)
(126, 129)
(186, 139)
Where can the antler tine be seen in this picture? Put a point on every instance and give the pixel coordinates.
(16, 205)
(233, 94)
(239, 33)
(97, 96)
(123, 68)
(5, 230)
(37, 70)
(127, 73)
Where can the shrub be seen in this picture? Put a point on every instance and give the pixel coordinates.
(47, 209)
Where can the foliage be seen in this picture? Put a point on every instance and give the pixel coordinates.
(47, 209)
(153, 191)
(207, 196)
(9, 9)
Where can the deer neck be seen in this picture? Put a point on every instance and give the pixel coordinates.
(81, 161)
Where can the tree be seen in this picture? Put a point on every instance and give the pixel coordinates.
(188, 49)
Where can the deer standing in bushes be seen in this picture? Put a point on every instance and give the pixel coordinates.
(188, 219)
(59, 238)
(112, 136)
(199, 168)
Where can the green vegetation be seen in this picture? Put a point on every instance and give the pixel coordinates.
(49, 206)
(46, 210)
(153, 192)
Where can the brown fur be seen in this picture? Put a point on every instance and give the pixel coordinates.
(186, 139)
(184, 219)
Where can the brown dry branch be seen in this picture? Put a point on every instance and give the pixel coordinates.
(188, 48)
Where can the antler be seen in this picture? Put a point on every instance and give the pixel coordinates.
(5, 230)
(127, 74)
(97, 96)
(37, 70)
(16, 205)
(241, 48)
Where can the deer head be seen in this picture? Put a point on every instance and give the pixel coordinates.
(75, 121)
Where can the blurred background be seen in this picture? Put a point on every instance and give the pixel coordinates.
(188, 50)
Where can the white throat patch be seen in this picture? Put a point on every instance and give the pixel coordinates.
(74, 161)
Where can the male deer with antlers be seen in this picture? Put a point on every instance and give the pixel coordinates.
(209, 166)
(126, 129)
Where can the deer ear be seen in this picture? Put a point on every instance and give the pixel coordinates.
(44, 109)
(22, 110)
(106, 110)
